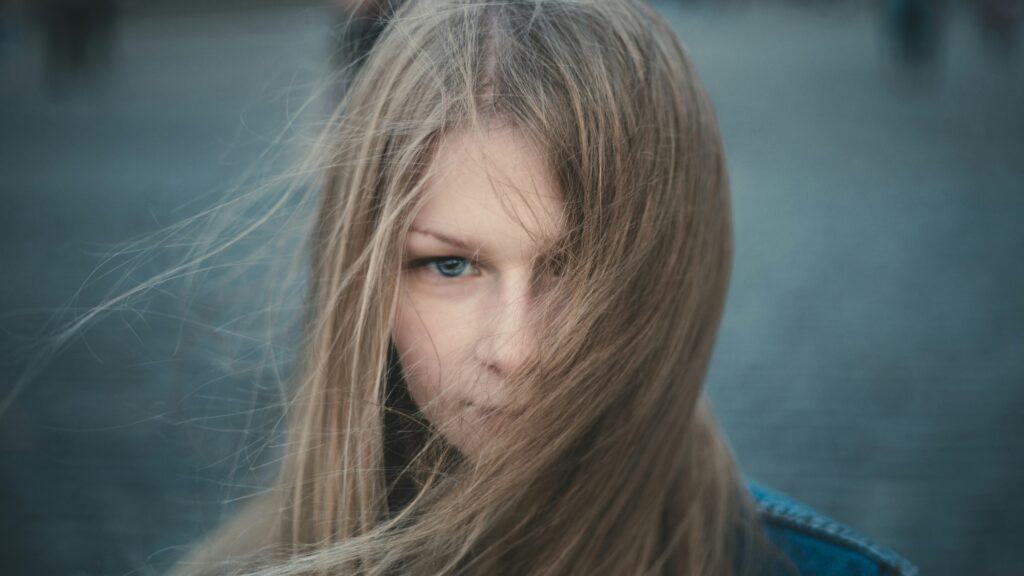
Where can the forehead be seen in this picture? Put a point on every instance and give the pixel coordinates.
(494, 189)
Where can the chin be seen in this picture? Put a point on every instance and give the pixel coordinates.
(474, 429)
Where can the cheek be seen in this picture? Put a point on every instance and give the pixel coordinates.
(433, 341)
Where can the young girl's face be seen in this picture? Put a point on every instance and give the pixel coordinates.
(464, 315)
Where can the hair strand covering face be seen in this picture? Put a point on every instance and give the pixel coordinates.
(616, 467)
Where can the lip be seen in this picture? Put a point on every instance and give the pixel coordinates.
(489, 412)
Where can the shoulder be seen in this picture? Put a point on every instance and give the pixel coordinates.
(816, 544)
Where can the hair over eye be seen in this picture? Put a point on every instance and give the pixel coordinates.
(445, 266)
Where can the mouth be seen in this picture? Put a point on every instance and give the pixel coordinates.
(491, 412)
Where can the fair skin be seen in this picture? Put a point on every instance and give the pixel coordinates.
(467, 295)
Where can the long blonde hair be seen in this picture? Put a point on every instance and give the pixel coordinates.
(618, 467)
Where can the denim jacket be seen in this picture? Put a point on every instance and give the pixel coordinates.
(817, 545)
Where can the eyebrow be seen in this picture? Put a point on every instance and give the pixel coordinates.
(448, 239)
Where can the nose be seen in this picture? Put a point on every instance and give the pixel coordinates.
(507, 337)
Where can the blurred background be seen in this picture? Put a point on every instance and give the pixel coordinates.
(871, 360)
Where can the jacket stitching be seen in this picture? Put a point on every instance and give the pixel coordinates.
(818, 525)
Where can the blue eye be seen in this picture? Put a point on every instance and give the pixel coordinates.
(446, 266)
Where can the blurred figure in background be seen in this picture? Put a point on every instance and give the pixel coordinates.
(358, 23)
(4, 26)
(79, 38)
(1000, 24)
(916, 28)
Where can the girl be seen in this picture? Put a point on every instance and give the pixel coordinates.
(519, 264)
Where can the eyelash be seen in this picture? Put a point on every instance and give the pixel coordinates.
(422, 263)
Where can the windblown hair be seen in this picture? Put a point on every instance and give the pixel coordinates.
(617, 466)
